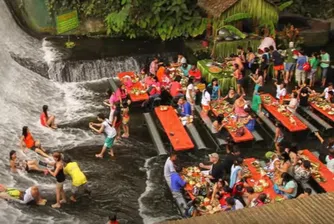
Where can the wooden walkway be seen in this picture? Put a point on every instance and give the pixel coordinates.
(314, 209)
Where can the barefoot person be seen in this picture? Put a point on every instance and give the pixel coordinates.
(28, 141)
(79, 180)
(24, 165)
(29, 195)
(46, 119)
(58, 173)
(109, 132)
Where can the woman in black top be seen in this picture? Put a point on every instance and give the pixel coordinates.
(60, 177)
(231, 96)
(303, 97)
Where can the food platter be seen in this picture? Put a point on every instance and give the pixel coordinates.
(215, 69)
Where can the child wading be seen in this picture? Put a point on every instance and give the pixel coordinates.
(125, 120)
(109, 132)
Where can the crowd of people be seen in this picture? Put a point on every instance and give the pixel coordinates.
(227, 178)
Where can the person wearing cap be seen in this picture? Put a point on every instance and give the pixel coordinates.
(215, 170)
(302, 172)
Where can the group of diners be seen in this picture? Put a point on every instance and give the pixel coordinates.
(229, 180)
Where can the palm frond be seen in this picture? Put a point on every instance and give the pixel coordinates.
(284, 5)
(237, 17)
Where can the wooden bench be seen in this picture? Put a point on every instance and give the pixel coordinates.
(307, 123)
(160, 148)
(207, 121)
(315, 117)
(195, 136)
(268, 122)
(257, 136)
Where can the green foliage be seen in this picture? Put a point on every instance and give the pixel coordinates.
(284, 5)
(234, 30)
(237, 17)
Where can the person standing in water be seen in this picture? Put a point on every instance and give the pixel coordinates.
(58, 173)
(125, 121)
(79, 180)
(28, 141)
(109, 132)
(46, 119)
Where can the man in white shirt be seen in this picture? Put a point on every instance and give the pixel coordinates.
(169, 168)
(327, 89)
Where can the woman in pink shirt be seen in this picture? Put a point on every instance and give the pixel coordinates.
(119, 95)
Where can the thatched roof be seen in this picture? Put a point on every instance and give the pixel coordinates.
(216, 8)
(314, 209)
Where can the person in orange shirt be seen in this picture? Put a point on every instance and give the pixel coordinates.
(161, 71)
(176, 88)
(27, 141)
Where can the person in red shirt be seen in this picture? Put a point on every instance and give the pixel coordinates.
(176, 87)
(195, 72)
(153, 91)
(47, 120)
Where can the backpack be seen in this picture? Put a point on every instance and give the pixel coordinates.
(307, 65)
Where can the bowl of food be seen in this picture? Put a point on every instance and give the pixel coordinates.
(215, 69)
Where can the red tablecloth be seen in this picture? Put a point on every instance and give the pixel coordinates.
(174, 129)
(299, 126)
(137, 85)
(328, 186)
(256, 176)
(322, 111)
(246, 137)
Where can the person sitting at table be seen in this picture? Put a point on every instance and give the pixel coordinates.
(214, 171)
(233, 204)
(153, 91)
(250, 120)
(293, 104)
(184, 108)
(239, 107)
(257, 101)
(206, 100)
(283, 166)
(280, 90)
(185, 68)
(257, 79)
(236, 60)
(330, 157)
(217, 125)
(154, 66)
(176, 88)
(304, 93)
(302, 171)
(195, 72)
(165, 80)
(307, 193)
(215, 94)
(289, 186)
(330, 98)
(293, 153)
(279, 136)
(219, 192)
(229, 160)
(272, 164)
(181, 60)
(236, 174)
(231, 97)
(328, 89)
(259, 200)
(250, 195)
(161, 70)
(240, 79)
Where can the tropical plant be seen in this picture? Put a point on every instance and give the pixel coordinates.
(284, 5)
(287, 35)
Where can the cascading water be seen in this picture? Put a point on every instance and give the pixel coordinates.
(22, 94)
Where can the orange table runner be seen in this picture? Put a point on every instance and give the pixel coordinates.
(256, 176)
(299, 126)
(137, 85)
(328, 185)
(237, 139)
(322, 111)
(174, 129)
